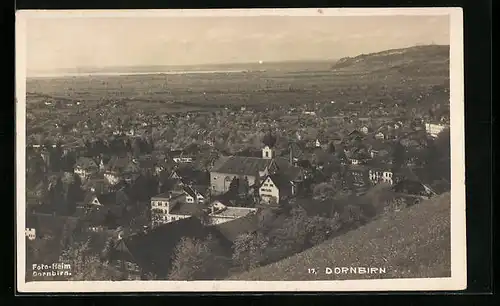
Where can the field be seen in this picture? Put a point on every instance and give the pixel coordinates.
(412, 243)
(398, 76)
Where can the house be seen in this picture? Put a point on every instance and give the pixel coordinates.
(170, 207)
(365, 130)
(106, 199)
(85, 167)
(226, 168)
(182, 160)
(357, 155)
(159, 168)
(354, 135)
(117, 167)
(356, 177)
(180, 157)
(96, 183)
(379, 135)
(190, 176)
(433, 129)
(193, 195)
(276, 188)
(381, 174)
(30, 233)
(152, 251)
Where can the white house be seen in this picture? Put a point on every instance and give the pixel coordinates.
(112, 177)
(183, 160)
(161, 208)
(434, 129)
(84, 167)
(274, 188)
(379, 175)
(193, 196)
(380, 135)
(30, 233)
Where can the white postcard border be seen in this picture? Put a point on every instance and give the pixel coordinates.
(458, 279)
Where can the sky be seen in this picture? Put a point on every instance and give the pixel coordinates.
(102, 42)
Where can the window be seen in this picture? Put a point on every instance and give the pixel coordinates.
(267, 154)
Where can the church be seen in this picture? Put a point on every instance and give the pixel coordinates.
(253, 169)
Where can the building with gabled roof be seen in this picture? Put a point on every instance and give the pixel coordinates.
(253, 169)
(275, 188)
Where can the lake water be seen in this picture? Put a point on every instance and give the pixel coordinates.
(86, 74)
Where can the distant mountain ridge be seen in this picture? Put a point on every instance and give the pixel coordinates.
(412, 57)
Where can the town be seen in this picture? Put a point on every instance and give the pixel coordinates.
(120, 192)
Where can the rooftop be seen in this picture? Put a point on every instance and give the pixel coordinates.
(234, 212)
(184, 209)
(166, 196)
(232, 229)
(240, 165)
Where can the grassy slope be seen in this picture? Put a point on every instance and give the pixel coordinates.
(412, 243)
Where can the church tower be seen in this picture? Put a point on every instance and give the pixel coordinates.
(269, 142)
(267, 153)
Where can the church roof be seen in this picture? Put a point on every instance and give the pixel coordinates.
(241, 165)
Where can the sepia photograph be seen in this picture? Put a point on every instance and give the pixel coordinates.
(240, 150)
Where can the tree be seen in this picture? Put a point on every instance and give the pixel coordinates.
(352, 216)
(202, 215)
(292, 235)
(137, 146)
(233, 186)
(331, 148)
(243, 187)
(196, 259)
(443, 148)
(87, 265)
(320, 229)
(398, 155)
(265, 218)
(324, 191)
(249, 250)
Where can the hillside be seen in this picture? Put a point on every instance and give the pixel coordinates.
(412, 243)
(416, 60)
